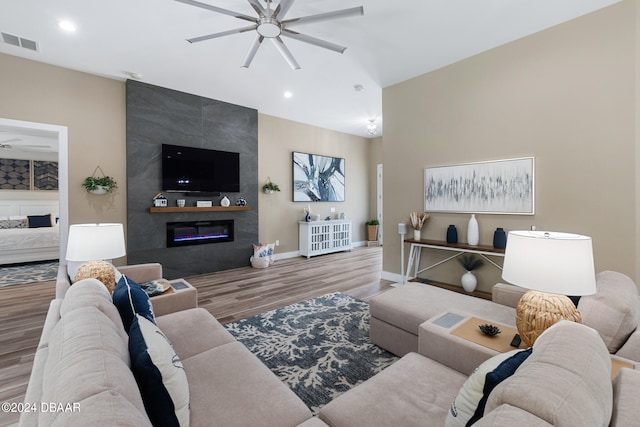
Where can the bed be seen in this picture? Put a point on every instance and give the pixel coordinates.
(18, 245)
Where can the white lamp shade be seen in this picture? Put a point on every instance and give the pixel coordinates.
(90, 242)
(545, 261)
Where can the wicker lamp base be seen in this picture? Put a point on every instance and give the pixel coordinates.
(536, 311)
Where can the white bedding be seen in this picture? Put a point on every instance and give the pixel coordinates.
(18, 245)
(29, 238)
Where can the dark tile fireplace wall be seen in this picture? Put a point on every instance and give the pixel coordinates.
(157, 116)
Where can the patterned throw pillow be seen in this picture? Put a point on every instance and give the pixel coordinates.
(159, 373)
(264, 250)
(13, 223)
(131, 299)
(469, 404)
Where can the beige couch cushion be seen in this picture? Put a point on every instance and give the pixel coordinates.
(193, 331)
(413, 392)
(408, 306)
(614, 311)
(230, 387)
(566, 381)
(91, 292)
(507, 415)
(88, 364)
(626, 408)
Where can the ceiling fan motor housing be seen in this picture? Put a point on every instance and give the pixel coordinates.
(269, 27)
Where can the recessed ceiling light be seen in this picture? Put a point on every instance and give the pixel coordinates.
(67, 25)
(288, 94)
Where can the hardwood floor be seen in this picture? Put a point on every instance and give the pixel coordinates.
(228, 295)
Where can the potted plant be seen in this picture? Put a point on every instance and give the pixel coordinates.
(372, 230)
(270, 187)
(470, 262)
(99, 185)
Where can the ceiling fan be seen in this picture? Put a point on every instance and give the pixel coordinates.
(271, 24)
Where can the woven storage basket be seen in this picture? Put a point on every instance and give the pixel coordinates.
(536, 311)
(259, 262)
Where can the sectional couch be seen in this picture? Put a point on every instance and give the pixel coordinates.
(614, 311)
(82, 358)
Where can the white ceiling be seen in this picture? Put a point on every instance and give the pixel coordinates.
(392, 42)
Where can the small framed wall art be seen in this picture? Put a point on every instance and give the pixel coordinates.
(318, 178)
(493, 187)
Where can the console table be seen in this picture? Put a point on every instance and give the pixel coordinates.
(458, 248)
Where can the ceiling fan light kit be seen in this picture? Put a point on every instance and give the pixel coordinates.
(270, 24)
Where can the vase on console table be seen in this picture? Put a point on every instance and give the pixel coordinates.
(469, 281)
(473, 234)
(452, 234)
(416, 235)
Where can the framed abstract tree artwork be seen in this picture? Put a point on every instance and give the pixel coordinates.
(317, 178)
(495, 187)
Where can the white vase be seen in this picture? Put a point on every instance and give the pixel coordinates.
(416, 235)
(469, 282)
(225, 202)
(473, 235)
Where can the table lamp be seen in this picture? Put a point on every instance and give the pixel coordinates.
(552, 266)
(92, 242)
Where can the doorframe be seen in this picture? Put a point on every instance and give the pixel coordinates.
(379, 201)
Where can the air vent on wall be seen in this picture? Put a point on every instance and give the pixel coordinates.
(20, 42)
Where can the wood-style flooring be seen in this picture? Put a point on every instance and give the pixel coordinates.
(228, 295)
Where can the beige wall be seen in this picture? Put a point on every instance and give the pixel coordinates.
(92, 108)
(279, 216)
(566, 96)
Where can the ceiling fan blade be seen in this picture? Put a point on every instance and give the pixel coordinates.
(218, 9)
(312, 40)
(252, 51)
(10, 140)
(344, 13)
(260, 10)
(222, 34)
(283, 8)
(279, 44)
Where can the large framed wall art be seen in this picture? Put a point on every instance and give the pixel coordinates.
(317, 178)
(494, 187)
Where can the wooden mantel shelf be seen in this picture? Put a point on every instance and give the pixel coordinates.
(196, 209)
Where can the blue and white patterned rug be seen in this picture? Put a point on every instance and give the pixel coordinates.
(320, 347)
(32, 272)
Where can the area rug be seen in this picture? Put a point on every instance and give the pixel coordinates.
(28, 273)
(320, 347)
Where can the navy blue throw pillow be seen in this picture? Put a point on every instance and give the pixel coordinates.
(37, 221)
(130, 299)
(492, 379)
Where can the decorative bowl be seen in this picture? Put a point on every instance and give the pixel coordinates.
(490, 330)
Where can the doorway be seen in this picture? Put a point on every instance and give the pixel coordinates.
(60, 134)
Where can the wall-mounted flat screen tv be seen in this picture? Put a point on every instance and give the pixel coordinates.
(190, 169)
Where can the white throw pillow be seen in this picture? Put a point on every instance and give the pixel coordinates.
(159, 373)
(465, 403)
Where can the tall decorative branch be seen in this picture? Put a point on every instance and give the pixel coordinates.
(418, 219)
